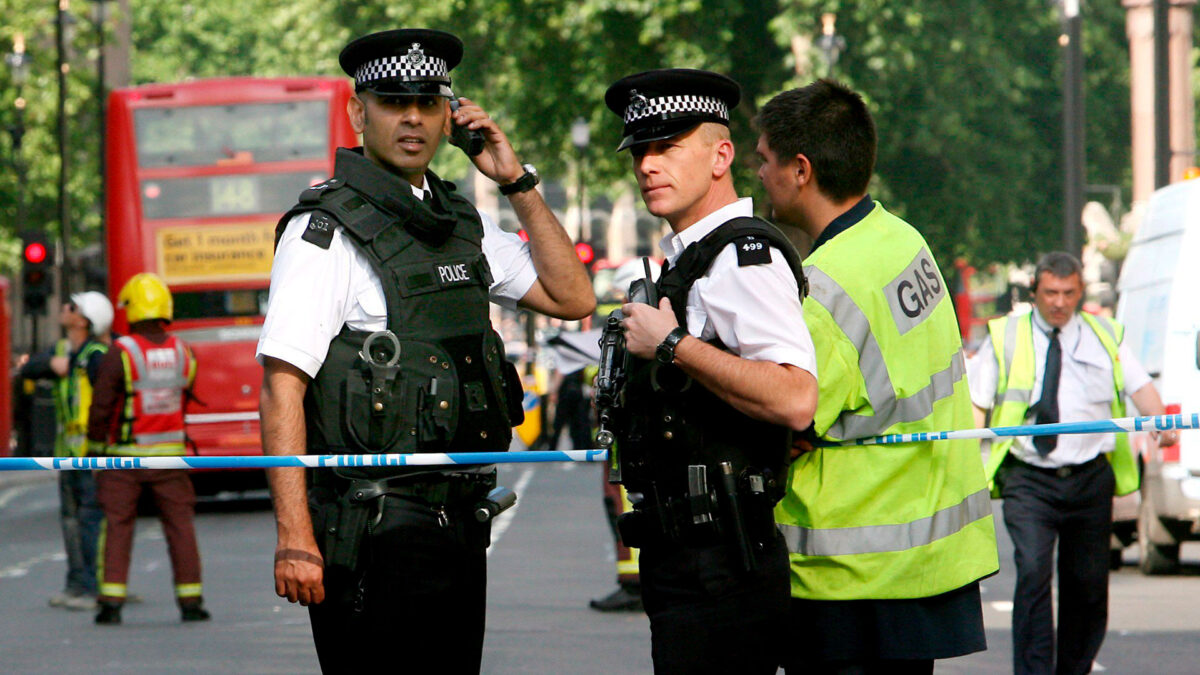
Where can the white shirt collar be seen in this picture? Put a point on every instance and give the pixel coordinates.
(419, 192)
(1069, 335)
(673, 244)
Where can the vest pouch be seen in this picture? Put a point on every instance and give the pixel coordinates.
(432, 400)
(506, 381)
(514, 394)
(372, 419)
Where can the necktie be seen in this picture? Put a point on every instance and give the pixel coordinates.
(1047, 408)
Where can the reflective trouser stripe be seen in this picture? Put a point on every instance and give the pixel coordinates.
(628, 566)
(113, 590)
(888, 538)
(888, 410)
(174, 449)
(187, 590)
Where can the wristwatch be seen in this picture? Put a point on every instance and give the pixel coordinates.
(525, 183)
(665, 353)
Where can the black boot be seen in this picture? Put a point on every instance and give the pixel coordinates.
(627, 598)
(194, 612)
(109, 614)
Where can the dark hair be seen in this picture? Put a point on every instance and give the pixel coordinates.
(1058, 263)
(829, 124)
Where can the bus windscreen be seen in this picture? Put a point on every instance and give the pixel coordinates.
(232, 134)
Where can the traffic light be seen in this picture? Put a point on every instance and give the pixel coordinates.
(585, 252)
(37, 282)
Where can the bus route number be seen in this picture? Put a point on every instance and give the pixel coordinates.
(234, 194)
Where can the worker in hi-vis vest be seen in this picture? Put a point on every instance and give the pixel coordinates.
(887, 542)
(1056, 364)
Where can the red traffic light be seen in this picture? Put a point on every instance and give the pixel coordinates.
(585, 252)
(35, 252)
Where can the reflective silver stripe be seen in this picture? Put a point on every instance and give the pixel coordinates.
(164, 437)
(888, 538)
(135, 352)
(880, 392)
(1022, 395)
(212, 418)
(1108, 328)
(172, 383)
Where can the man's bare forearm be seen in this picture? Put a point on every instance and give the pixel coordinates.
(780, 394)
(281, 409)
(560, 274)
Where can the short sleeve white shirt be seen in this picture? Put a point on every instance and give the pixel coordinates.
(1085, 388)
(754, 310)
(315, 291)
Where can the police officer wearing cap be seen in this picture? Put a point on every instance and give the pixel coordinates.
(722, 371)
(377, 340)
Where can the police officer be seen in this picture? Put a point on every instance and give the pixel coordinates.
(722, 370)
(377, 339)
(887, 542)
(137, 409)
(73, 364)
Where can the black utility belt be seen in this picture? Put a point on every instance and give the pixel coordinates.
(1060, 471)
(686, 521)
(433, 488)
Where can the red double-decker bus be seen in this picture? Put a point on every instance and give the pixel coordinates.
(198, 174)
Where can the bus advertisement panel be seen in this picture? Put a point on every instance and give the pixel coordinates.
(198, 175)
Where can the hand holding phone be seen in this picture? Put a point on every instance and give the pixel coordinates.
(469, 141)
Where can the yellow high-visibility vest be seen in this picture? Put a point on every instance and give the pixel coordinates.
(1012, 342)
(886, 521)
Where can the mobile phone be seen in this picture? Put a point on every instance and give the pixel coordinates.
(469, 141)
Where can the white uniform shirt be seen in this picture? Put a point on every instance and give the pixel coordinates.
(754, 310)
(315, 291)
(1085, 389)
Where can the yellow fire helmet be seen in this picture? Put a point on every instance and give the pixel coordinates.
(145, 296)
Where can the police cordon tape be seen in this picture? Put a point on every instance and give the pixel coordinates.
(1181, 422)
(309, 461)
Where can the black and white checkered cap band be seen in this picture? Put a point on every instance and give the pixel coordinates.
(401, 68)
(670, 105)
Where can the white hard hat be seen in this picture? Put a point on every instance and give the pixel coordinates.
(96, 308)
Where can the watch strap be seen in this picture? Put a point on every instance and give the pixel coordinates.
(665, 353)
(526, 182)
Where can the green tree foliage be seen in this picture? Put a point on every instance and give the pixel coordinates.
(965, 94)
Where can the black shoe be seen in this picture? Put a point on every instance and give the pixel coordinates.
(109, 614)
(621, 600)
(194, 613)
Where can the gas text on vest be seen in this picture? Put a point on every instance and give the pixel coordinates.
(915, 292)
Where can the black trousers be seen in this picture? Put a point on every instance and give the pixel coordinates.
(1040, 508)
(418, 596)
(707, 615)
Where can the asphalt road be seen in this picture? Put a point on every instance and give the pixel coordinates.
(551, 554)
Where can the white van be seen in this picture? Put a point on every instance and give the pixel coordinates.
(1160, 308)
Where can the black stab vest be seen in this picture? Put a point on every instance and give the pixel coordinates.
(453, 390)
(673, 421)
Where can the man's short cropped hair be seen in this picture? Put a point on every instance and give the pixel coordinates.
(829, 124)
(1058, 263)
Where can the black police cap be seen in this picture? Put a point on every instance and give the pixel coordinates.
(659, 104)
(403, 61)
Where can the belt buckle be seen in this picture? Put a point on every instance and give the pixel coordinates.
(1063, 471)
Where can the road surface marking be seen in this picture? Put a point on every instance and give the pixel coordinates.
(502, 521)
